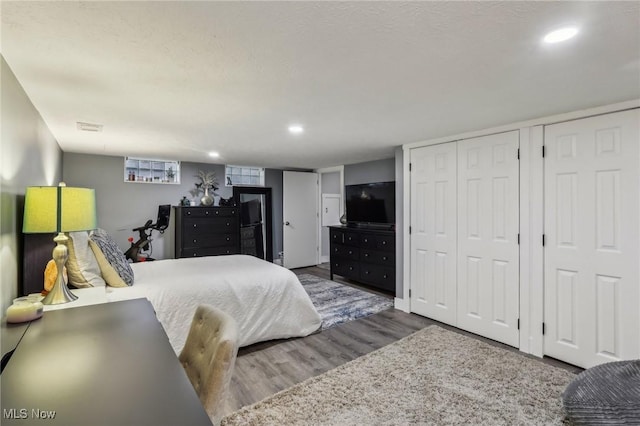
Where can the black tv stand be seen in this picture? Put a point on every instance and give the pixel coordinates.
(364, 254)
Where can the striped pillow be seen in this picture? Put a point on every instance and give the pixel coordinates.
(114, 255)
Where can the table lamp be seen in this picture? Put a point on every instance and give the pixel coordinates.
(59, 209)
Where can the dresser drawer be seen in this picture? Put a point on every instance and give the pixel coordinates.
(346, 268)
(378, 242)
(336, 236)
(383, 258)
(351, 239)
(195, 226)
(339, 250)
(198, 241)
(209, 251)
(209, 212)
(382, 276)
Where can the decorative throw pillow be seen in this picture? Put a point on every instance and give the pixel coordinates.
(109, 274)
(114, 255)
(82, 266)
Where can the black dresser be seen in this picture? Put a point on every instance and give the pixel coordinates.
(206, 231)
(365, 255)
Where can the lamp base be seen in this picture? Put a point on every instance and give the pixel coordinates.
(60, 293)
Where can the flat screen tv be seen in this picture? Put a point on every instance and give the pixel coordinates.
(371, 203)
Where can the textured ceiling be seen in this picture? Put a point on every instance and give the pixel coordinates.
(179, 79)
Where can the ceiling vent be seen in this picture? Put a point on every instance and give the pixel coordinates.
(89, 127)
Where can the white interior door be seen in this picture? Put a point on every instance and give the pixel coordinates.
(433, 232)
(488, 225)
(300, 215)
(591, 253)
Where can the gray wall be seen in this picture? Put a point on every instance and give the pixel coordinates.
(399, 220)
(273, 180)
(384, 171)
(29, 156)
(123, 206)
(371, 171)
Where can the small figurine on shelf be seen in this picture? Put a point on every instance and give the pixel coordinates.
(185, 202)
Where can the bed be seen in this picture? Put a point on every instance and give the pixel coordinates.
(266, 300)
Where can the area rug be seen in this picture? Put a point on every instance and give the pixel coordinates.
(338, 303)
(434, 377)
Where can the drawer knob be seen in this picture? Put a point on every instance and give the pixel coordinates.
(227, 251)
(384, 257)
(207, 213)
(366, 240)
(351, 268)
(195, 241)
(194, 254)
(233, 212)
(195, 225)
(228, 224)
(366, 272)
(384, 243)
(228, 239)
(384, 276)
(366, 255)
(349, 238)
(335, 249)
(188, 213)
(350, 252)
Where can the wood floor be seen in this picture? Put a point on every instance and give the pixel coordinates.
(265, 368)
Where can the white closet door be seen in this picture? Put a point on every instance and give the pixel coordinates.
(433, 232)
(488, 225)
(591, 225)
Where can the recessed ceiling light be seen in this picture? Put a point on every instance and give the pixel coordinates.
(214, 154)
(296, 129)
(561, 34)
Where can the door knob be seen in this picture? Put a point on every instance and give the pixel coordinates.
(287, 223)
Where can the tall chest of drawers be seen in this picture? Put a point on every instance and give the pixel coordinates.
(365, 255)
(206, 231)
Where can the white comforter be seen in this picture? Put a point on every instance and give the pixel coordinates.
(266, 300)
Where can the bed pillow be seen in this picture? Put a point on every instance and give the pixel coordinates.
(82, 267)
(113, 254)
(109, 274)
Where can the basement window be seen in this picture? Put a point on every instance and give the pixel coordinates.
(244, 176)
(145, 170)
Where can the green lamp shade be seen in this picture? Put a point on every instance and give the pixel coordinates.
(59, 209)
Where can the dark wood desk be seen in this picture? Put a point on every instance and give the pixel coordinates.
(108, 364)
(10, 338)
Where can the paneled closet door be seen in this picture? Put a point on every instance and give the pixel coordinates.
(433, 232)
(488, 225)
(592, 296)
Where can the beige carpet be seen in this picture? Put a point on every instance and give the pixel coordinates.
(433, 377)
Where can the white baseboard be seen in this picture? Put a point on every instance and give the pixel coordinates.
(402, 304)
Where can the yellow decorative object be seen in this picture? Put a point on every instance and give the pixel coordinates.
(51, 273)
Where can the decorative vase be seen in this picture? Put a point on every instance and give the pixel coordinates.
(206, 200)
(343, 219)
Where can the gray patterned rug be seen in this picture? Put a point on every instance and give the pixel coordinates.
(432, 377)
(337, 303)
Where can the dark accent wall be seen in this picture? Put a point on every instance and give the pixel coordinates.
(370, 171)
(123, 206)
(273, 179)
(387, 170)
